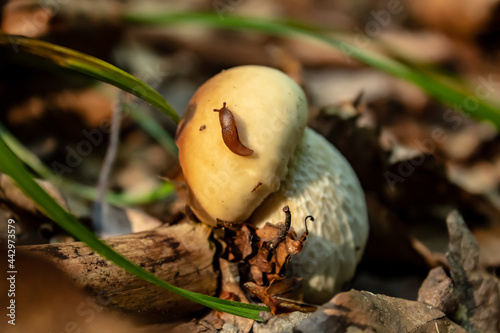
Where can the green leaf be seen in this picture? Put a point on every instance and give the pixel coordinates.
(153, 128)
(90, 66)
(443, 90)
(10, 165)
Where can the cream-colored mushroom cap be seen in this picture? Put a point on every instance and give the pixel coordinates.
(270, 113)
(321, 183)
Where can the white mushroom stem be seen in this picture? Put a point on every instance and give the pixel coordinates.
(320, 182)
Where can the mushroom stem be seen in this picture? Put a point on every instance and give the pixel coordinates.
(320, 182)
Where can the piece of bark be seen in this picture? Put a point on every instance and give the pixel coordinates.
(180, 254)
(437, 290)
(362, 311)
(478, 292)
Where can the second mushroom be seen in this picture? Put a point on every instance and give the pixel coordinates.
(283, 163)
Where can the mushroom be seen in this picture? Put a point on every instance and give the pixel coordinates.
(263, 112)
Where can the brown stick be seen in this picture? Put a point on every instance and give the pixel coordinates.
(180, 254)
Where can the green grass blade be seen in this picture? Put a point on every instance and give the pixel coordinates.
(10, 165)
(91, 66)
(153, 128)
(442, 90)
(163, 191)
(26, 156)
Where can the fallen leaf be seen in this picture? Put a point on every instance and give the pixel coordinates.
(231, 289)
(278, 305)
(362, 311)
(260, 260)
(478, 292)
(268, 232)
(262, 255)
(263, 295)
(437, 290)
(242, 241)
(10, 193)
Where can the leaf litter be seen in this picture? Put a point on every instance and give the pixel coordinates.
(262, 256)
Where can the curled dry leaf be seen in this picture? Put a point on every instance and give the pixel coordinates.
(279, 305)
(437, 290)
(263, 295)
(259, 266)
(242, 241)
(263, 255)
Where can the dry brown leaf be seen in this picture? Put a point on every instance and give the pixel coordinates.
(242, 241)
(285, 250)
(256, 275)
(263, 295)
(260, 260)
(268, 232)
(362, 311)
(230, 286)
(10, 193)
(458, 18)
(478, 293)
(232, 291)
(262, 255)
(284, 286)
(279, 305)
(437, 290)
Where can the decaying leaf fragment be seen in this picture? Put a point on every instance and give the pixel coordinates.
(10, 193)
(242, 241)
(478, 292)
(437, 290)
(263, 255)
(231, 291)
(469, 297)
(362, 311)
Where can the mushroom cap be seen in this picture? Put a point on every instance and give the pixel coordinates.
(270, 111)
(321, 183)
